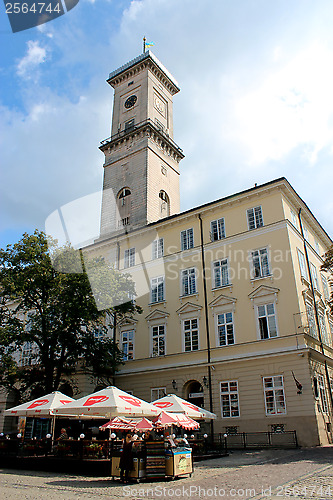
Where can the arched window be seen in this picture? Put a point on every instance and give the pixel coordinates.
(124, 206)
(164, 204)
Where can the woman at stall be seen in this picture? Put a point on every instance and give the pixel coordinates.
(126, 458)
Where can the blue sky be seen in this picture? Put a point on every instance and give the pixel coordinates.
(256, 101)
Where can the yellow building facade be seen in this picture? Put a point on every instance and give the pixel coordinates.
(235, 312)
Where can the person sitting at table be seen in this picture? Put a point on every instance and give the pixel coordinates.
(126, 458)
(63, 435)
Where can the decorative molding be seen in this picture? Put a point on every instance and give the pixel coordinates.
(157, 315)
(262, 294)
(187, 308)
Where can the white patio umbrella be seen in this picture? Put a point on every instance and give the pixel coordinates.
(174, 404)
(40, 407)
(109, 402)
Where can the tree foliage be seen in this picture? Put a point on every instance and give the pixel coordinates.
(57, 306)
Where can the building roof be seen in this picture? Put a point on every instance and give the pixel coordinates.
(142, 57)
(281, 180)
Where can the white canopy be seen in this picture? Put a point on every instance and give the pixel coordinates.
(109, 402)
(40, 407)
(175, 404)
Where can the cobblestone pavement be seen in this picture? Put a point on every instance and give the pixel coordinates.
(267, 474)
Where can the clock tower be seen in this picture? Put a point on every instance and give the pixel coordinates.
(141, 169)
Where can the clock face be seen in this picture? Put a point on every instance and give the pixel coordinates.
(129, 103)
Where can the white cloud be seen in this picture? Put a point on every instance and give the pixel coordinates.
(291, 107)
(35, 56)
(255, 100)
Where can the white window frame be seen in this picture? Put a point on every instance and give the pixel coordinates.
(160, 392)
(326, 289)
(262, 253)
(159, 336)
(218, 230)
(322, 393)
(129, 257)
(314, 275)
(223, 320)
(190, 275)
(310, 314)
(323, 329)
(187, 239)
(276, 387)
(127, 342)
(254, 218)
(192, 329)
(220, 272)
(158, 248)
(228, 396)
(157, 289)
(293, 218)
(302, 264)
(267, 316)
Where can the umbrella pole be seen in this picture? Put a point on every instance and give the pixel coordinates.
(53, 431)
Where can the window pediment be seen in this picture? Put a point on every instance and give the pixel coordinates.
(127, 322)
(263, 294)
(222, 300)
(157, 315)
(189, 308)
(263, 291)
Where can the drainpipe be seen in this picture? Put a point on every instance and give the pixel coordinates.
(207, 326)
(316, 310)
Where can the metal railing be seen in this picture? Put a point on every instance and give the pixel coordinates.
(137, 126)
(244, 440)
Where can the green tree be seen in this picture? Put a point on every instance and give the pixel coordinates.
(59, 305)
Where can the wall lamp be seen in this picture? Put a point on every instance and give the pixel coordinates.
(205, 381)
(174, 385)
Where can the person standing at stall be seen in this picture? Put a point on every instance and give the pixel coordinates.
(126, 458)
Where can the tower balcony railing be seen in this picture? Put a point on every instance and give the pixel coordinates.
(137, 126)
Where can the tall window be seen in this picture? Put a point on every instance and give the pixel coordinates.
(188, 281)
(157, 289)
(254, 217)
(191, 334)
(129, 125)
(129, 259)
(260, 263)
(274, 395)
(28, 353)
(267, 321)
(225, 329)
(164, 204)
(157, 393)
(124, 207)
(229, 399)
(325, 287)
(127, 345)
(323, 329)
(221, 277)
(322, 392)
(293, 218)
(186, 238)
(158, 248)
(217, 230)
(311, 320)
(302, 264)
(158, 340)
(314, 276)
